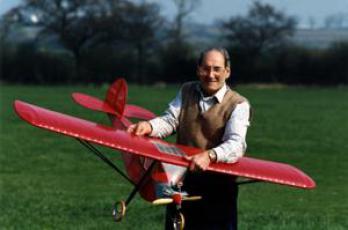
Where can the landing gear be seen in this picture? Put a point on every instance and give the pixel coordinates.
(178, 221)
(120, 207)
(119, 210)
(174, 196)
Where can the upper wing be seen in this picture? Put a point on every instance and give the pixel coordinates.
(157, 149)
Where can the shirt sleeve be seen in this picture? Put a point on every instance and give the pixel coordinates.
(234, 143)
(166, 124)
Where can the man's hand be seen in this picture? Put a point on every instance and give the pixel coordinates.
(199, 161)
(141, 128)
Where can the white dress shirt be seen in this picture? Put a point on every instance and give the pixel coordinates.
(233, 145)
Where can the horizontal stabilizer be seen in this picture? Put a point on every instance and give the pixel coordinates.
(133, 111)
(93, 103)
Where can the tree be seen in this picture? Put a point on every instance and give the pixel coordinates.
(77, 24)
(184, 9)
(336, 21)
(140, 25)
(83, 25)
(178, 62)
(263, 28)
(311, 22)
(176, 55)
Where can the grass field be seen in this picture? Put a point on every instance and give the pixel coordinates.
(48, 181)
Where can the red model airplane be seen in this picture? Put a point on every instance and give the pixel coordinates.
(155, 167)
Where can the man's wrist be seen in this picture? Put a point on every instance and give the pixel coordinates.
(152, 124)
(212, 155)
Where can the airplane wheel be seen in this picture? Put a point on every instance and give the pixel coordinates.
(179, 221)
(119, 210)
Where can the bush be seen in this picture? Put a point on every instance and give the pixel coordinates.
(27, 64)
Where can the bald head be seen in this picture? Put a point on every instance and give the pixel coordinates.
(221, 50)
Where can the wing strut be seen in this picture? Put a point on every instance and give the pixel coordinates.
(137, 186)
(94, 150)
(140, 183)
(120, 207)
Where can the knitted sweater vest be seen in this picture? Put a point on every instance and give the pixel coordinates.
(204, 130)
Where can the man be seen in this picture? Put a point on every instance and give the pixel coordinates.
(208, 115)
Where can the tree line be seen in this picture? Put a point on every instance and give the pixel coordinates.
(97, 41)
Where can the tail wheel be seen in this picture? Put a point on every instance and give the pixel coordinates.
(119, 210)
(179, 221)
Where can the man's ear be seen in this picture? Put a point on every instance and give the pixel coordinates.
(228, 72)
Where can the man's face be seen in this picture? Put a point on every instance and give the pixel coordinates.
(212, 72)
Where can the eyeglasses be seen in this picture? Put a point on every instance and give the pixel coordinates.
(208, 69)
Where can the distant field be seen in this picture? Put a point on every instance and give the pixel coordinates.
(48, 181)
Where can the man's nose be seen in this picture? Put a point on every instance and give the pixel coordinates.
(211, 72)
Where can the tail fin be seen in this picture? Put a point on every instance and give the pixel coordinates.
(116, 96)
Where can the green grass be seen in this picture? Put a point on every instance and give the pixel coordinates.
(48, 181)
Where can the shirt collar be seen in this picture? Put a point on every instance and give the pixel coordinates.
(219, 95)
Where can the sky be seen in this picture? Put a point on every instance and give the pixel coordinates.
(211, 10)
(303, 10)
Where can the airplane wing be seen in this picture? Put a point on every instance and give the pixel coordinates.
(157, 149)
